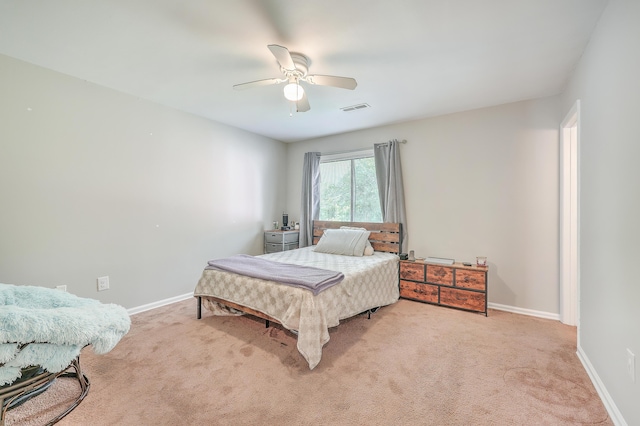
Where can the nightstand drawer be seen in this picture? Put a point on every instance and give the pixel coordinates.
(274, 248)
(281, 237)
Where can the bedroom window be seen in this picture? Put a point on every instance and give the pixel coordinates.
(348, 188)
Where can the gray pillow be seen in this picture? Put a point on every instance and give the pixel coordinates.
(348, 242)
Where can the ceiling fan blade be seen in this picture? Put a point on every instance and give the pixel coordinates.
(331, 80)
(257, 83)
(303, 104)
(282, 56)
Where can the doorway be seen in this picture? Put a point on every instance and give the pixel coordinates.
(569, 217)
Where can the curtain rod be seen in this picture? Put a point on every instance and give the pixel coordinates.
(403, 141)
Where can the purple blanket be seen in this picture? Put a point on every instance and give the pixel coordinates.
(307, 277)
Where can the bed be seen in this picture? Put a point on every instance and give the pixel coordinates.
(369, 282)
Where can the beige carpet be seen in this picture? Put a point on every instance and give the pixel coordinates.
(411, 364)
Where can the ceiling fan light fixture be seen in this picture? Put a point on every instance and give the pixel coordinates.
(293, 92)
(294, 67)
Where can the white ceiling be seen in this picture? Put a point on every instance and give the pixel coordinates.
(412, 58)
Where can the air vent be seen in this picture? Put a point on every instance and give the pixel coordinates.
(355, 107)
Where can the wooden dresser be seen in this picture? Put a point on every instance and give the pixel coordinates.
(455, 286)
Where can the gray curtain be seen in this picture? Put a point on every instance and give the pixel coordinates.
(310, 199)
(390, 187)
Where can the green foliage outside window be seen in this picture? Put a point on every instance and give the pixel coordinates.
(349, 192)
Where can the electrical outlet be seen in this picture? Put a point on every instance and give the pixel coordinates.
(61, 287)
(103, 283)
(631, 365)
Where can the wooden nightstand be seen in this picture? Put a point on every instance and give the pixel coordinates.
(455, 286)
(277, 240)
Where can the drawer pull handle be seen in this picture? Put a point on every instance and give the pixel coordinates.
(440, 272)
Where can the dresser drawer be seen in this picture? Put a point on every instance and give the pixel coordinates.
(423, 292)
(281, 237)
(465, 299)
(471, 279)
(442, 275)
(412, 271)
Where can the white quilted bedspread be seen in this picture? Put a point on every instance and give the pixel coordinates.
(370, 281)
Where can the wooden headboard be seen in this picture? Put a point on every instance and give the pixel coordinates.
(385, 237)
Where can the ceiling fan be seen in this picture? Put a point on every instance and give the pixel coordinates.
(294, 67)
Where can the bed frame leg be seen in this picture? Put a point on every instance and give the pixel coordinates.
(199, 307)
(266, 323)
(372, 311)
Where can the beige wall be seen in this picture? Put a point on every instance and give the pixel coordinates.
(477, 183)
(94, 182)
(607, 83)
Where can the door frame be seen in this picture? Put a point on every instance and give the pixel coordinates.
(570, 217)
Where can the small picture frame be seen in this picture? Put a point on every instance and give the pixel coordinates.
(481, 261)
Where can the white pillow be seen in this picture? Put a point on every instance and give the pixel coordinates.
(348, 242)
(368, 249)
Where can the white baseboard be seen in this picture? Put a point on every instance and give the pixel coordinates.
(159, 303)
(506, 308)
(609, 405)
(523, 311)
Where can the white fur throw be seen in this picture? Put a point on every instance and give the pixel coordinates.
(57, 325)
